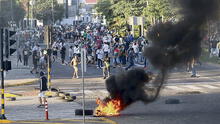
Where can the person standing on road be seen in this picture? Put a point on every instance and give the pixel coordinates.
(26, 53)
(19, 55)
(106, 67)
(218, 47)
(75, 64)
(55, 49)
(43, 89)
(76, 50)
(193, 67)
(35, 61)
(71, 52)
(106, 48)
(131, 57)
(100, 55)
(63, 54)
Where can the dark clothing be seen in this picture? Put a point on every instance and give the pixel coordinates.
(25, 56)
(43, 83)
(63, 54)
(25, 60)
(131, 57)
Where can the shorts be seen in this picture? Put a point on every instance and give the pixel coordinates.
(42, 94)
(75, 68)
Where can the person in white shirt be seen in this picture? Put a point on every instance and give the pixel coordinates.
(136, 50)
(106, 48)
(100, 55)
(76, 50)
(36, 48)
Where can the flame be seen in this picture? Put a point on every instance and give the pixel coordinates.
(109, 108)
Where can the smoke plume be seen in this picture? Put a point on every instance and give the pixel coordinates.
(173, 43)
(179, 42)
(129, 86)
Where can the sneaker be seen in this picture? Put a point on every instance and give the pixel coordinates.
(195, 75)
(77, 77)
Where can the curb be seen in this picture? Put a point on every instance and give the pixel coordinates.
(21, 84)
(6, 121)
(213, 64)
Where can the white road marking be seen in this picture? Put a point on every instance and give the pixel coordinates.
(210, 86)
(174, 88)
(104, 91)
(193, 87)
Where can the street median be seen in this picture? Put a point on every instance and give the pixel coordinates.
(19, 82)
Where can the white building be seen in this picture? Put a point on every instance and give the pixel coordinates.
(78, 10)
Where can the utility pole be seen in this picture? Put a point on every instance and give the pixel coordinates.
(52, 12)
(28, 9)
(12, 13)
(48, 40)
(67, 9)
(2, 117)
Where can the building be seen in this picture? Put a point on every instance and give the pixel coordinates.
(78, 10)
(87, 11)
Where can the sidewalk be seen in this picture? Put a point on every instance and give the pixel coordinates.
(20, 74)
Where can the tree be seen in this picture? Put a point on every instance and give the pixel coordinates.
(158, 10)
(104, 8)
(117, 12)
(43, 11)
(11, 10)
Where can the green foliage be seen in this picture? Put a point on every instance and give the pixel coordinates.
(117, 12)
(11, 10)
(43, 11)
(158, 10)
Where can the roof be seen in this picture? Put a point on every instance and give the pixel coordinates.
(91, 1)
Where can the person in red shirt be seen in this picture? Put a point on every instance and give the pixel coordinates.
(115, 55)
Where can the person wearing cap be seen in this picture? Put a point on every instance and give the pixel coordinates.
(43, 89)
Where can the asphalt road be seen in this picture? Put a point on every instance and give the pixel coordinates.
(199, 96)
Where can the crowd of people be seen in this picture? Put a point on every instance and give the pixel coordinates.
(215, 48)
(104, 48)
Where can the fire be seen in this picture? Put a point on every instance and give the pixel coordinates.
(109, 108)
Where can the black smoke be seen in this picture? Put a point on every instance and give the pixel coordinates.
(179, 42)
(173, 43)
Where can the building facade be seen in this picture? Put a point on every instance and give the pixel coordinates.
(78, 10)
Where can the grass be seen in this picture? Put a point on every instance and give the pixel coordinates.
(205, 57)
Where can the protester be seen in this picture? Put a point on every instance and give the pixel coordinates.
(218, 48)
(43, 89)
(75, 64)
(36, 58)
(63, 54)
(19, 55)
(131, 57)
(100, 55)
(26, 56)
(71, 53)
(106, 67)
